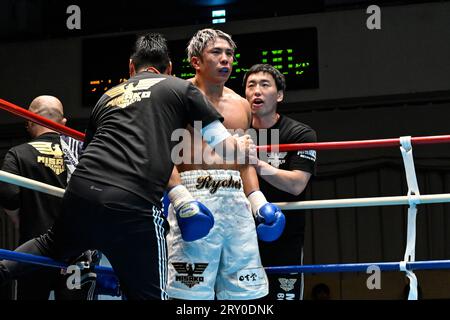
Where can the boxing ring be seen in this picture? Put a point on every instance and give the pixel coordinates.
(412, 199)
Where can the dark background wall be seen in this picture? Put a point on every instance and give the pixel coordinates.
(373, 84)
(407, 56)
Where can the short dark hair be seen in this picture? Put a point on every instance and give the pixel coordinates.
(280, 81)
(151, 50)
(203, 37)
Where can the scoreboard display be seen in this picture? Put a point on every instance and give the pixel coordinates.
(293, 52)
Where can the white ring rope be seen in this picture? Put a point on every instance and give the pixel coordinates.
(302, 205)
(299, 205)
(363, 202)
(31, 184)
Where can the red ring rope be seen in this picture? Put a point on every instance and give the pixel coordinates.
(21, 112)
(358, 144)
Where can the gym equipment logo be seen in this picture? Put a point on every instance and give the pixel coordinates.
(130, 92)
(307, 154)
(55, 162)
(287, 284)
(188, 271)
(276, 158)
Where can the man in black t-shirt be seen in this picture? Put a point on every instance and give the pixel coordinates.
(112, 202)
(33, 213)
(283, 176)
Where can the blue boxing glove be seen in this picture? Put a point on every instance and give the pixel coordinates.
(269, 218)
(194, 219)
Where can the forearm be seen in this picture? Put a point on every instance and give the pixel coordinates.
(249, 179)
(293, 182)
(174, 179)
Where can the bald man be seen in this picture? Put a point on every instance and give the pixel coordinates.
(32, 212)
(49, 107)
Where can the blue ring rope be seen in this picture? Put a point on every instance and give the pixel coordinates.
(319, 268)
(358, 267)
(44, 261)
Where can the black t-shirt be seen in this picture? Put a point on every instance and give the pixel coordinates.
(128, 140)
(287, 249)
(40, 159)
